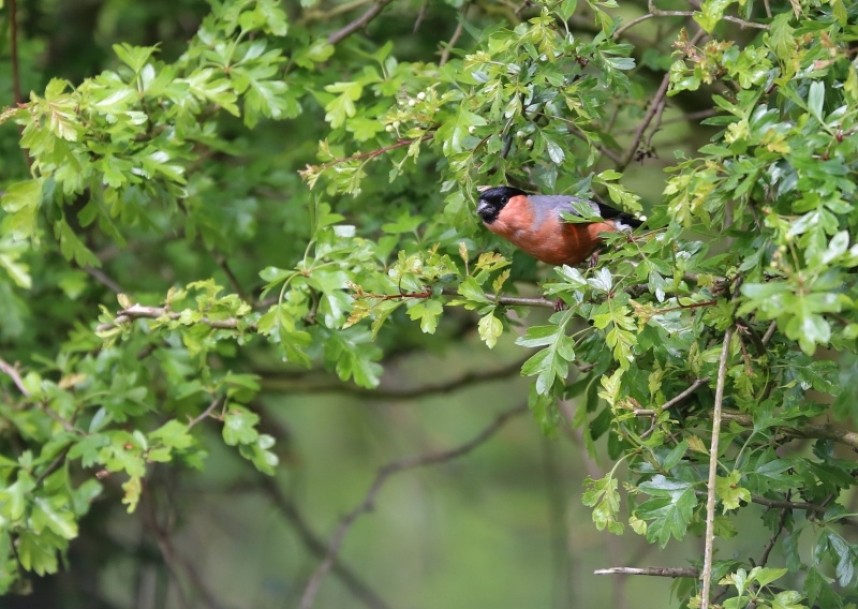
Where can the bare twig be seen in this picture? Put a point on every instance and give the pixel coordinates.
(104, 279)
(654, 12)
(12, 372)
(457, 33)
(325, 385)
(385, 472)
(17, 96)
(681, 396)
(138, 311)
(660, 94)
(222, 262)
(370, 154)
(174, 561)
(216, 403)
(316, 545)
(713, 469)
(764, 558)
(359, 23)
(651, 571)
(807, 430)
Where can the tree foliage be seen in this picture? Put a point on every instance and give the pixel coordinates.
(349, 234)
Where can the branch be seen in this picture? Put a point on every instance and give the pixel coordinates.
(651, 571)
(138, 311)
(713, 469)
(656, 102)
(771, 544)
(385, 472)
(12, 372)
(361, 22)
(807, 430)
(370, 154)
(457, 33)
(317, 546)
(655, 12)
(217, 402)
(17, 96)
(326, 386)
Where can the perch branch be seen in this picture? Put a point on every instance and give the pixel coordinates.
(713, 470)
(12, 372)
(317, 547)
(359, 23)
(326, 386)
(385, 472)
(651, 571)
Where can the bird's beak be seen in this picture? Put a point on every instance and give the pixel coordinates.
(483, 208)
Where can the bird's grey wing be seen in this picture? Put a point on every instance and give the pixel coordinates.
(545, 205)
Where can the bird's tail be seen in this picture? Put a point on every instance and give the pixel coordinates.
(620, 217)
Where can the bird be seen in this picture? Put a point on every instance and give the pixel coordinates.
(534, 223)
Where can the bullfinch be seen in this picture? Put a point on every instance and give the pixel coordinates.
(534, 223)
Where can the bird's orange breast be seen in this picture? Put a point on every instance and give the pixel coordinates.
(548, 238)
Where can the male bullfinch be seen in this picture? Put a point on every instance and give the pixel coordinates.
(534, 224)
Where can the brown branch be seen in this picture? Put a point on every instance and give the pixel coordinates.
(12, 372)
(371, 154)
(385, 472)
(828, 431)
(327, 386)
(764, 558)
(651, 571)
(104, 279)
(713, 470)
(359, 23)
(216, 403)
(138, 311)
(222, 262)
(17, 96)
(657, 100)
(174, 560)
(316, 545)
(655, 107)
(457, 33)
(655, 12)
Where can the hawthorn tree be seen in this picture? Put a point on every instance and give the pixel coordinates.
(291, 188)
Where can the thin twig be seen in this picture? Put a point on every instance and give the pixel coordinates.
(104, 279)
(222, 262)
(654, 12)
(325, 385)
(457, 33)
(138, 311)
(837, 433)
(713, 469)
(764, 558)
(385, 472)
(660, 93)
(359, 23)
(317, 547)
(12, 372)
(17, 96)
(371, 154)
(216, 403)
(651, 571)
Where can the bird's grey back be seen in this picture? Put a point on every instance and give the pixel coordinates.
(546, 205)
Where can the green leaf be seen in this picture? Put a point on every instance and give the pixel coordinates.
(239, 426)
(603, 497)
(490, 328)
(21, 201)
(61, 522)
(428, 312)
(816, 98)
(729, 492)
